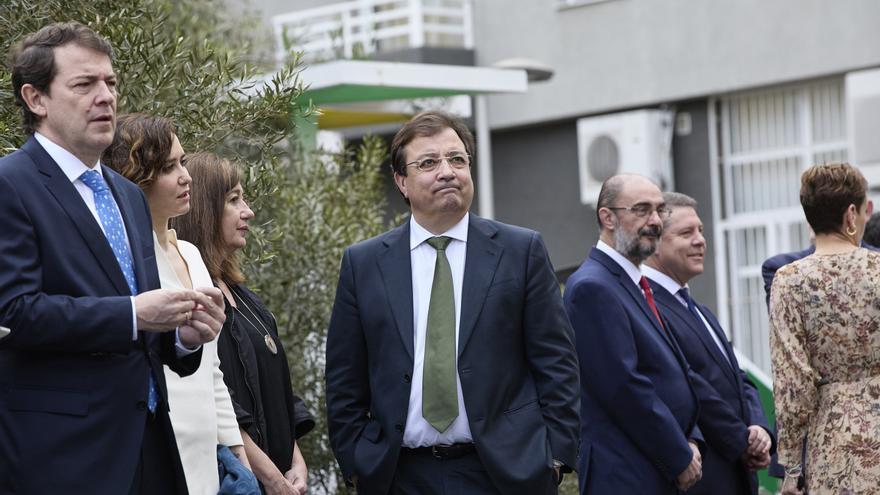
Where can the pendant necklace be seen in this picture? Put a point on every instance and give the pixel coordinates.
(267, 337)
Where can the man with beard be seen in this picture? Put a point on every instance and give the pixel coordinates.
(739, 439)
(638, 406)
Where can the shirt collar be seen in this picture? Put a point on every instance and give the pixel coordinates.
(663, 279)
(69, 164)
(631, 270)
(419, 234)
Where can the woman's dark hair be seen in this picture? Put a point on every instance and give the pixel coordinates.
(140, 147)
(826, 193)
(212, 179)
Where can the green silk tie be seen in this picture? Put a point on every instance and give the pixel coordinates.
(439, 390)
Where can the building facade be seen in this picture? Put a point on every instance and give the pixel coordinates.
(753, 92)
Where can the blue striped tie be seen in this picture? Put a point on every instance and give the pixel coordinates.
(111, 221)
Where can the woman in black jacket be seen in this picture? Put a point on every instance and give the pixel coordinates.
(252, 357)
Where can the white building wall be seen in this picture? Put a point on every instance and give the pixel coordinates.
(627, 53)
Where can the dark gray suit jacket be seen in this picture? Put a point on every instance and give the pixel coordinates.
(516, 358)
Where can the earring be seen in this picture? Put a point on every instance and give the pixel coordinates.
(851, 233)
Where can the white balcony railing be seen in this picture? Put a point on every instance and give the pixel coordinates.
(358, 28)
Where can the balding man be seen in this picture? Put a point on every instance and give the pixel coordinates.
(639, 409)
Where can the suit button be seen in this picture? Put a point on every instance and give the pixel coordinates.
(398, 427)
(141, 405)
(407, 378)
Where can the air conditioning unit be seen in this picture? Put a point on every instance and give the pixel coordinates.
(637, 142)
(863, 113)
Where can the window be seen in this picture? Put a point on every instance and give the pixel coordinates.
(766, 139)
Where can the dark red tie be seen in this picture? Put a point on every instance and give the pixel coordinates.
(646, 287)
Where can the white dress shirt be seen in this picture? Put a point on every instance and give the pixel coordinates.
(418, 432)
(201, 409)
(673, 287)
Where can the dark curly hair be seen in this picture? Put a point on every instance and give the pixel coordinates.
(140, 147)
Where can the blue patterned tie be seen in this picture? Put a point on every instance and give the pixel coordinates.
(114, 230)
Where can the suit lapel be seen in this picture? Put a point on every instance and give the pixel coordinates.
(633, 290)
(481, 261)
(395, 265)
(673, 306)
(72, 203)
(732, 364)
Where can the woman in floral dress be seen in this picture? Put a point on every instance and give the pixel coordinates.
(825, 343)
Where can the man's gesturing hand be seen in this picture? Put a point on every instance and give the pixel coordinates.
(162, 310)
(693, 472)
(207, 319)
(197, 313)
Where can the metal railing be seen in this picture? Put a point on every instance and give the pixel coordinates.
(358, 28)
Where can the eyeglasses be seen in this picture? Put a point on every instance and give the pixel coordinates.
(643, 210)
(430, 163)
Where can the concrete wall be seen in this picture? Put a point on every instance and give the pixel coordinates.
(629, 53)
(536, 186)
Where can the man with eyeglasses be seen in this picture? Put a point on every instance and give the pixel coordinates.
(451, 366)
(639, 408)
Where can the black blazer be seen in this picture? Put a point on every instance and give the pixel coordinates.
(73, 383)
(516, 359)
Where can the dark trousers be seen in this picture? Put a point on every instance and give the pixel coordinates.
(159, 471)
(420, 473)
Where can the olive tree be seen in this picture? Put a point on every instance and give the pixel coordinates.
(202, 64)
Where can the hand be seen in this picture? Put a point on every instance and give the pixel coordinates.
(299, 472)
(693, 472)
(755, 463)
(162, 310)
(759, 441)
(297, 476)
(206, 320)
(789, 486)
(280, 486)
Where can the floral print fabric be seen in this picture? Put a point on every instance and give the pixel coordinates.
(825, 349)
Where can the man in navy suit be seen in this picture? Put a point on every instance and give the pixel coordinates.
(639, 408)
(82, 395)
(734, 449)
(451, 366)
